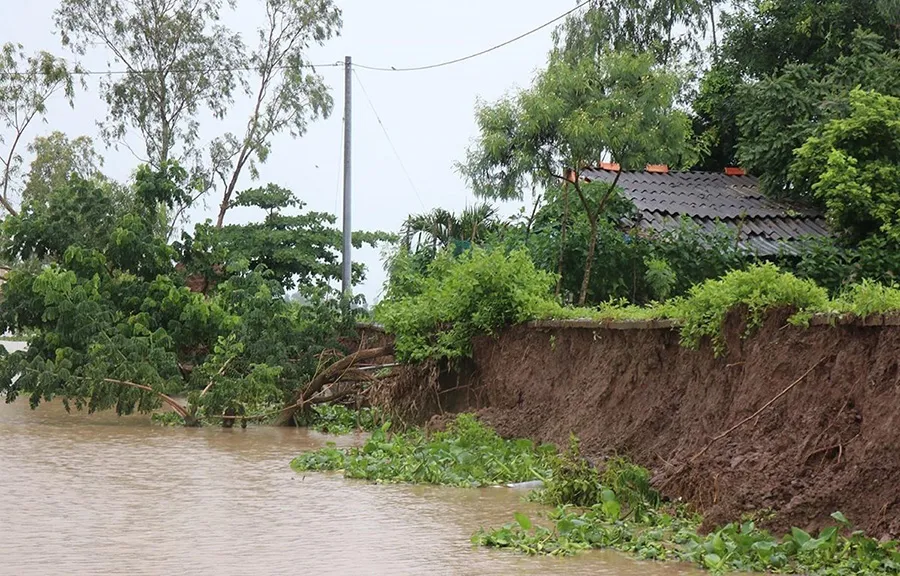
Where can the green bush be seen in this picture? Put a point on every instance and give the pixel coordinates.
(759, 288)
(478, 292)
(868, 298)
(339, 419)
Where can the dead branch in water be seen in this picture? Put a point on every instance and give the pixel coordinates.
(333, 373)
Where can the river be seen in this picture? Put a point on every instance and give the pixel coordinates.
(103, 495)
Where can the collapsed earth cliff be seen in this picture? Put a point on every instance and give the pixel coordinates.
(801, 422)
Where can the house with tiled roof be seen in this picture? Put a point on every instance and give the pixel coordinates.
(732, 198)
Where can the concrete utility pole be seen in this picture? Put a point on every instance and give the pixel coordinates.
(346, 287)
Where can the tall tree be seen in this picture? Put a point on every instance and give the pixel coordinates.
(767, 45)
(619, 106)
(668, 29)
(176, 60)
(780, 112)
(56, 159)
(287, 92)
(26, 84)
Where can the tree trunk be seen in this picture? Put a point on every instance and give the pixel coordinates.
(562, 239)
(587, 265)
(712, 20)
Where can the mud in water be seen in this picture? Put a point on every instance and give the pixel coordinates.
(103, 495)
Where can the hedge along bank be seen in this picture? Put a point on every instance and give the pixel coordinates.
(435, 315)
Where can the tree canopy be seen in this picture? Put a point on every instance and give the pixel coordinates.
(621, 107)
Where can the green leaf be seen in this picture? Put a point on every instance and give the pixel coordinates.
(523, 520)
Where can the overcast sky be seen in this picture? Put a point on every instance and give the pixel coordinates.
(428, 115)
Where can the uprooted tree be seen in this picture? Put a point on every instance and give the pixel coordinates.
(113, 323)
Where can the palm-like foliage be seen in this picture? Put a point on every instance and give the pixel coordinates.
(440, 227)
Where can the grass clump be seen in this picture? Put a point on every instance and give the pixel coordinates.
(466, 454)
(869, 298)
(759, 288)
(339, 419)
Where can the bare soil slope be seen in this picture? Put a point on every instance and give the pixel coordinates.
(832, 442)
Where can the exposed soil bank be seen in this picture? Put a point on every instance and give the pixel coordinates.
(830, 443)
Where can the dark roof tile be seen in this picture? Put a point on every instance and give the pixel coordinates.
(710, 198)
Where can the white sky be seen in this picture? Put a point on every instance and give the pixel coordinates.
(429, 115)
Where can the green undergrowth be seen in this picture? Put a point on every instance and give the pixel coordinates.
(435, 315)
(339, 419)
(466, 454)
(618, 509)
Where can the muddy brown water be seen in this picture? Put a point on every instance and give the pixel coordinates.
(103, 495)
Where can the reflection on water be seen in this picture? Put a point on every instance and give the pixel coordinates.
(106, 495)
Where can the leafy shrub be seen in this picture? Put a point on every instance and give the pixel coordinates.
(466, 454)
(339, 419)
(660, 278)
(573, 481)
(759, 288)
(631, 485)
(868, 298)
(835, 266)
(460, 297)
(851, 167)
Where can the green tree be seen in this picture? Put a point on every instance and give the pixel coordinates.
(287, 92)
(775, 73)
(668, 29)
(765, 36)
(114, 323)
(620, 106)
(853, 167)
(176, 57)
(780, 112)
(56, 159)
(440, 228)
(297, 249)
(26, 84)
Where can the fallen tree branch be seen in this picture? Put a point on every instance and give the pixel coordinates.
(219, 374)
(165, 398)
(333, 373)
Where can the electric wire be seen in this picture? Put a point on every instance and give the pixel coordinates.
(389, 140)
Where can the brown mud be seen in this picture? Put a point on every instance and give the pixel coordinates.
(831, 442)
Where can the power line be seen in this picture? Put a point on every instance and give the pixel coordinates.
(329, 65)
(146, 71)
(388, 137)
(476, 54)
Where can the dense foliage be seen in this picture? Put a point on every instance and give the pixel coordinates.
(339, 419)
(436, 314)
(466, 454)
(114, 322)
(853, 167)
